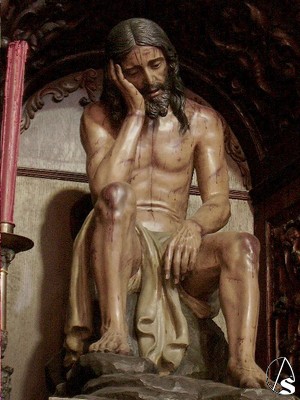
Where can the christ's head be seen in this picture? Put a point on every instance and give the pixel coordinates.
(149, 61)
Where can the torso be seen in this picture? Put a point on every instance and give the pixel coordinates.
(162, 174)
(163, 170)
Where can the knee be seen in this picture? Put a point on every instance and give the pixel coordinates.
(248, 243)
(115, 200)
(243, 250)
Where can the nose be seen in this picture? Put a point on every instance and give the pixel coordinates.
(149, 77)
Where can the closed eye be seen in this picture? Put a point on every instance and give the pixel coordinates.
(156, 65)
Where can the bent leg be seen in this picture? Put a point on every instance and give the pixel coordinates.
(230, 260)
(115, 256)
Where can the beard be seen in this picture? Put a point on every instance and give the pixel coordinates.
(159, 105)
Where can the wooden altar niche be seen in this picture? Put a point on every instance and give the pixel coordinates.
(276, 218)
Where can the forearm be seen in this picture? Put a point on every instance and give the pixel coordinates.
(118, 163)
(213, 214)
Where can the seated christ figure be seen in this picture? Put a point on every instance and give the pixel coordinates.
(143, 140)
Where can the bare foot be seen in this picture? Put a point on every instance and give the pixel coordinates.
(246, 376)
(111, 342)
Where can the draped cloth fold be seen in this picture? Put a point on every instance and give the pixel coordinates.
(161, 327)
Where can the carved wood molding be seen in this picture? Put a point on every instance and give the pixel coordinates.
(91, 81)
(59, 90)
(284, 247)
(79, 177)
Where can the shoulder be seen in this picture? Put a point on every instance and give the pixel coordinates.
(94, 113)
(205, 122)
(95, 118)
(199, 112)
(95, 128)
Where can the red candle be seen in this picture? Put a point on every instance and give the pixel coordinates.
(10, 130)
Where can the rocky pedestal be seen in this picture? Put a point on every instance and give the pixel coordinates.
(103, 376)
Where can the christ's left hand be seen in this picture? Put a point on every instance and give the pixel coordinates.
(181, 253)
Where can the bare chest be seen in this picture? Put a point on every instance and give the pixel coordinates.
(164, 149)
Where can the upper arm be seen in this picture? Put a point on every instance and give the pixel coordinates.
(95, 138)
(209, 161)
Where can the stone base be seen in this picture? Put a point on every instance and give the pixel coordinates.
(104, 376)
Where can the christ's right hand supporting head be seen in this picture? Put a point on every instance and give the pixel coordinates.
(133, 98)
